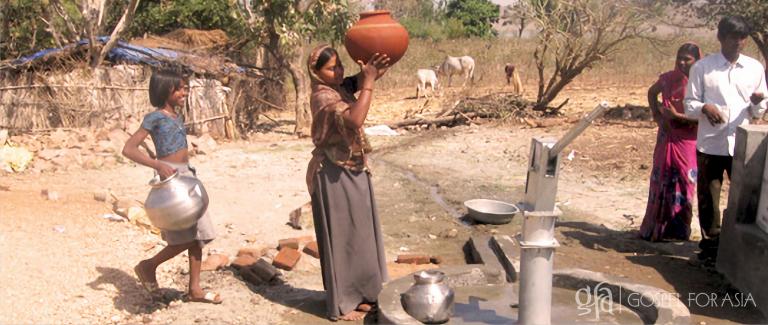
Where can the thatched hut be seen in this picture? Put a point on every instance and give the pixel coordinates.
(56, 88)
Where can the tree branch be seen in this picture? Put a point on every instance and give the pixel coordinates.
(124, 22)
(56, 5)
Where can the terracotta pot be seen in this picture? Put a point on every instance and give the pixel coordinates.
(376, 32)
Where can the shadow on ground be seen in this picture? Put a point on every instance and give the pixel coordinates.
(311, 302)
(131, 296)
(702, 289)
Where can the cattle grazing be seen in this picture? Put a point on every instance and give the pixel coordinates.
(513, 78)
(424, 77)
(454, 65)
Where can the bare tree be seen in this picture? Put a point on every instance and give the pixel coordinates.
(574, 35)
(122, 24)
(92, 22)
(514, 15)
(71, 29)
(90, 12)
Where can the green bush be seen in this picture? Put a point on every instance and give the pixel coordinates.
(476, 16)
(454, 29)
(163, 17)
(448, 28)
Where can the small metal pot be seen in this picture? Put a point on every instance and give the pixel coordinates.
(176, 202)
(430, 299)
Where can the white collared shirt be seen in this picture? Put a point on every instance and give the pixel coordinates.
(714, 80)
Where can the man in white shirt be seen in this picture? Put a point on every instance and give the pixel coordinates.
(724, 90)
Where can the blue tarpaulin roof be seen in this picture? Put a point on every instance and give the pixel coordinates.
(121, 52)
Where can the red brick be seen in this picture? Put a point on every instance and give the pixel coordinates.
(244, 261)
(288, 243)
(255, 252)
(412, 259)
(294, 242)
(287, 258)
(311, 249)
(214, 262)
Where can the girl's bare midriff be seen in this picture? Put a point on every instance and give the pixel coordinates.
(178, 157)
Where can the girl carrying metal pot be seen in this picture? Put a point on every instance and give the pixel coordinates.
(167, 91)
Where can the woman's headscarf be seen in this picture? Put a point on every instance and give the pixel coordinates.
(317, 84)
(312, 62)
(331, 138)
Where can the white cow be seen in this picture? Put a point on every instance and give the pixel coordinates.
(462, 64)
(426, 76)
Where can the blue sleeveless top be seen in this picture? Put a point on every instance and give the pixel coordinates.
(168, 134)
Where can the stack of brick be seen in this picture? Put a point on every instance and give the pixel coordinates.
(253, 266)
(290, 251)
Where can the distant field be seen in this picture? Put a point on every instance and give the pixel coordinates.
(635, 63)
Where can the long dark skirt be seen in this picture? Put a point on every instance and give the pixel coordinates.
(348, 238)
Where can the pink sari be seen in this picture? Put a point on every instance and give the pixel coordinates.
(673, 177)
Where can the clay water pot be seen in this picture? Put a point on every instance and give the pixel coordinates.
(376, 32)
(176, 202)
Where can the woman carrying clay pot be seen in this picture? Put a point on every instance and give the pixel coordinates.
(673, 176)
(346, 222)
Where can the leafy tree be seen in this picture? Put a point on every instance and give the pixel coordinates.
(160, 17)
(286, 28)
(29, 25)
(754, 12)
(424, 19)
(574, 35)
(23, 26)
(477, 16)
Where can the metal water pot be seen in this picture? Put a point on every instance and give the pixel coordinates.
(176, 202)
(430, 299)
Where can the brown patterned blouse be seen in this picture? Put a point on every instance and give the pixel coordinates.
(334, 141)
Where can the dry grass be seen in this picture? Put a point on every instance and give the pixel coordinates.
(185, 40)
(622, 79)
(198, 38)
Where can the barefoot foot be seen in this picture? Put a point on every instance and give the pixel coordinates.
(364, 307)
(147, 277)
(353, 315)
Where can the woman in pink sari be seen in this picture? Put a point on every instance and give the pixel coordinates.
(673, 177)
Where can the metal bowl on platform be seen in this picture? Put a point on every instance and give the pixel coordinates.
(491, 211)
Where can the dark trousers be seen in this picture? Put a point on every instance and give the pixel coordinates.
(709, 183)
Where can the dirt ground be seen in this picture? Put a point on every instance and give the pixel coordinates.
(61, 262)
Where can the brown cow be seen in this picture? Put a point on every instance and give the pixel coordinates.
(513, 78)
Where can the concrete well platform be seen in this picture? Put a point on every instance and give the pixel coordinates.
(482, 296)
